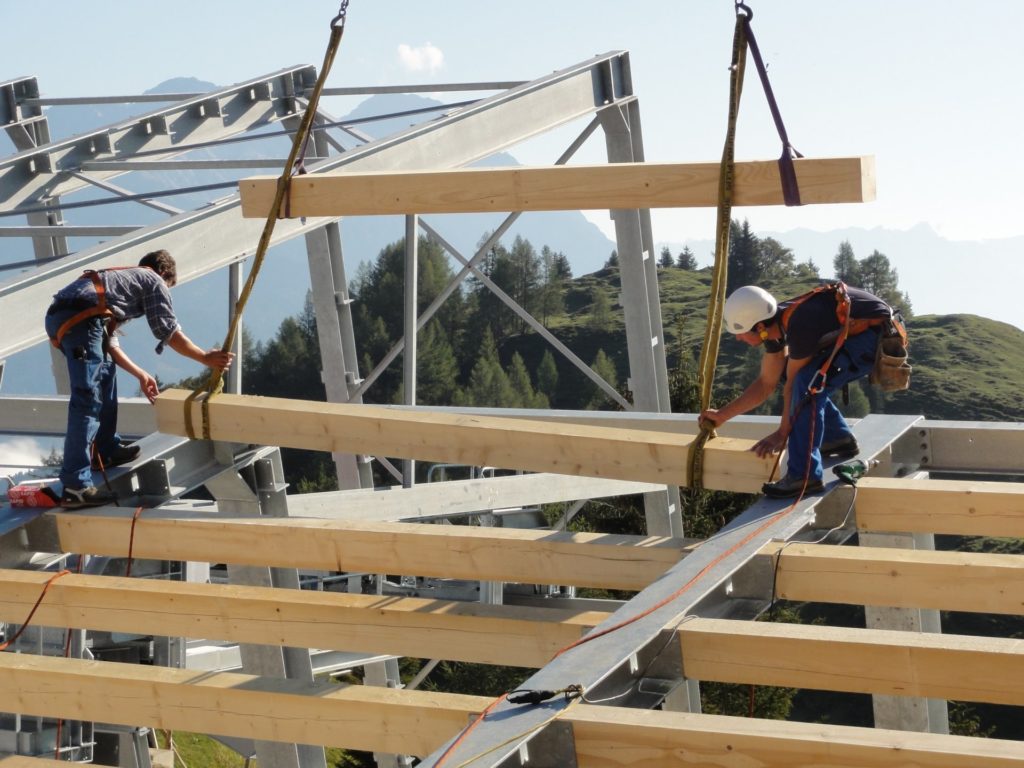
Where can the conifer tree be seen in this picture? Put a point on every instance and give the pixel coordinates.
(665, 260)
(600, 310)
(437, 370)
(547, 375)
(686, 260)
(489, 386)
(605, 368)
(846, 266)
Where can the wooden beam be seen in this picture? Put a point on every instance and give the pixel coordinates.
(623, 454)
(454, 497)
(273, 709)
(855, 660)
(960, 507)
(610, 561)
(900, 578)
(18, 761)
(437, 629)
(416, 722)
(614, 737)
(559, 188)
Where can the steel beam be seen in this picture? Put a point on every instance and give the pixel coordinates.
(43, 172)
(202, 241)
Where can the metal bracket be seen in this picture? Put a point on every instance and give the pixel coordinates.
(912, 451)
(646, 677)
(554, 746)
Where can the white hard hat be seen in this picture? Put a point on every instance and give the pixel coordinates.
(746, 307)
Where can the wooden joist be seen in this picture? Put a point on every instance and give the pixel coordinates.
(900, 578)
(437, 629)
(609, 561)
(272, 709)
(624, 454)
(960, 507)
(854, 660)
(559, 188)
(615, 737)
(415, 722)
(18, 761)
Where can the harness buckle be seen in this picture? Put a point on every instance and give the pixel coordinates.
(817, 384)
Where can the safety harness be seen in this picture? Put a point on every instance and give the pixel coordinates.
(99, 309)
(848, 325)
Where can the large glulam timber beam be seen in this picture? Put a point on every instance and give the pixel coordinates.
(18, 761)
(854, 660)
(958, 507)
(359, 717)
(559, 188)
(417, 722)
(425, 435)
(616, 737)
(899, 578)
(609, 561)
(438, 629)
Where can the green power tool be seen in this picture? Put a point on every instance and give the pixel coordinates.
(852, 471)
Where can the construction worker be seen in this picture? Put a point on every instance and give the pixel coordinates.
(799, 336)
(81, 322)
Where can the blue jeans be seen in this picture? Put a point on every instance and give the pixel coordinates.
(854, 361)
(92, 409)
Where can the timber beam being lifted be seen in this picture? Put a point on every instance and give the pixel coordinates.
(623, 454)
(558, 188)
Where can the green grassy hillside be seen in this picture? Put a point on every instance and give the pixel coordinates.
(965, 367)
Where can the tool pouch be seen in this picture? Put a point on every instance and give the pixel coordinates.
(892, 371)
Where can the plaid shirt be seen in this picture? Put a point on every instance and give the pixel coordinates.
(131, 293)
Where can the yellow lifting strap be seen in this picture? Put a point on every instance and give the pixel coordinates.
(713, 329)
(215, 383)
(743, 39)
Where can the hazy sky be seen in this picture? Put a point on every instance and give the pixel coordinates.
(928, 88)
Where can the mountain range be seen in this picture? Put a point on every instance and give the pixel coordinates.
(941, 276)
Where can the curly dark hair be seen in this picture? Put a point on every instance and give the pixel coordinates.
(163, 264)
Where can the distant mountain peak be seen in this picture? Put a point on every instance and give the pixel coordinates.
(183, 85)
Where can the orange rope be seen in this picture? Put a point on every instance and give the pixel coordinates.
(24, 625)
(131, 542)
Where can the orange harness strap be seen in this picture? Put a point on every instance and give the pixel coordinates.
(848, 326)
(99, 310)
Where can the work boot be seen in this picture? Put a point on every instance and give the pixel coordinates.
(843, 448)
(789, 487)
(77, 498)
(122, 454)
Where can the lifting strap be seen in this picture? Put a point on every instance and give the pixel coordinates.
(743, 38)
(214, 383)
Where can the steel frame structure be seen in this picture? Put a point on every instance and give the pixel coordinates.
(637, 666)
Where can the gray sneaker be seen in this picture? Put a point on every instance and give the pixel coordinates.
(77, 498)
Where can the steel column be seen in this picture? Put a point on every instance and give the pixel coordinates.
(645, 339)
(411, 312)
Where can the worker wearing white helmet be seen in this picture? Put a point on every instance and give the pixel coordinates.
(802, 338)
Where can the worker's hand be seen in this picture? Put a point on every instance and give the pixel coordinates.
(218, 358)
(709, 418)
(148, 386)
(771, 444)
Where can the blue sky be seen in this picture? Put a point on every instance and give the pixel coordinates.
(928, 88)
